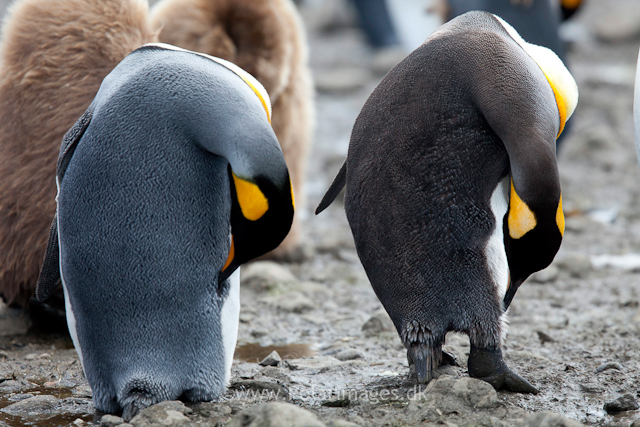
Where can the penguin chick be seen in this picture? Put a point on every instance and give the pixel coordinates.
(452, 188)
(171, 179)
(266, 38)
(53, 56)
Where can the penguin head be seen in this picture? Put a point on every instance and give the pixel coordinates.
(532, 235)
(262, 201)
(560, 79)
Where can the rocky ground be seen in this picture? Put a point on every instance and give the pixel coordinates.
(574, 328)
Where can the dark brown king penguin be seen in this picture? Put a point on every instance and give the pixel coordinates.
(452, 187)
(266, 38)
(53, 56)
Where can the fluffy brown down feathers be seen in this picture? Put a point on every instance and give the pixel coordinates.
(55, 54)
(53, 57)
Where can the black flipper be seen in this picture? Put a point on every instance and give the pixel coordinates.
(49, 277)
(334, 189)
(488, 365)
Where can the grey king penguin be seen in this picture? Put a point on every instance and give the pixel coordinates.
(452, 187)
(170, 180)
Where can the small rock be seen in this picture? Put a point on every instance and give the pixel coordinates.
(624, 403)
(79, 422)
(295, 302)
(349, 354)
(275, 414)
(314, 362)
(169, 414)
(609, 365)
(31, 356)
(337, 402)
(544, 338)
(19, 397)
(82, 391)
(267, 276)
(341, 423)
(377, 323)
(14, 386)
(550, 419)
(212, 409)
(110, 421)
(468, 391)
(35, 406)
(277, 374)
(273, 359)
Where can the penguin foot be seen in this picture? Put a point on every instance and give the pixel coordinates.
(487, 364)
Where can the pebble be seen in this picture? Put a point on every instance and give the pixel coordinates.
(35, 406)
(314, 362)
(349, 354)
(212, 409)
(294, 302)
(82, 391)
(550, 419)
(110, 421)
(377, 323)
(544, 338)
(14, 386)
(609, 365)
(341, 423)
(267, 276)
(337, 402)
(448, 394)
(624, 403)
(273, 359)
(168, 414)
(275, 414)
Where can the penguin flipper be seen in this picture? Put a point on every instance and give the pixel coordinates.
(334, 189)
(49, 278)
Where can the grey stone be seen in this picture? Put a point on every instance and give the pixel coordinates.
(212, 409)
(15, 386)
(549, 419)
(544, 337)
(20, 396)
(82, 391)
(267, 276)
(341, 423)
(609, 365)
(275, 414)
(35, 406)
(168, 414)
(265, 390)
(273, 359)
(111, 421)
(377, 323)
(295, 302)
(349, 354)
(624, 403)
(447, 393)
(314, 362)
(337, 402)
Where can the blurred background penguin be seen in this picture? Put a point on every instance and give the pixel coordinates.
(55, 54)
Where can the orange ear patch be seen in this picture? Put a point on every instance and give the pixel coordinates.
(232, 254)
(253, 203)
(521, 219)
(560, 217)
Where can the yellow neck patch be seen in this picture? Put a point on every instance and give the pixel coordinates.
(562, 106)
(232, 254)
(521, 219)
(293, 199)
(257, 92)
(560, 217)
(251, 200)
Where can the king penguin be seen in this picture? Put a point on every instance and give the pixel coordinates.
(170, 180)
(452, 187)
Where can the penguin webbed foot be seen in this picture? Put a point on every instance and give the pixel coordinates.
(487, 364)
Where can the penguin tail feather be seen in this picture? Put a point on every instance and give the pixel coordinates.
(138, 395)
(334, 189)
